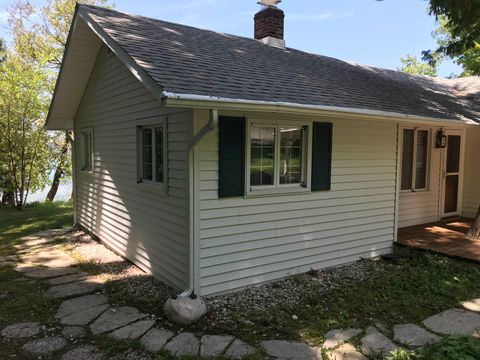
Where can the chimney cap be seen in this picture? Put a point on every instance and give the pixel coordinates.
(269, 3)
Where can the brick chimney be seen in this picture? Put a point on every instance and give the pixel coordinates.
(269, 24)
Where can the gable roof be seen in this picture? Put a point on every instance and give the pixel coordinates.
(190, 63)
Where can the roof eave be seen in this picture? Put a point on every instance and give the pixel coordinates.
(209, 102)
(55, 122)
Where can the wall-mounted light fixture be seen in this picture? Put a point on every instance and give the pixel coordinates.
(441, 139)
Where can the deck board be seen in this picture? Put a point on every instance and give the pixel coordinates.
(444, 237)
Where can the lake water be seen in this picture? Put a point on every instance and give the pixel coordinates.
(63, 194)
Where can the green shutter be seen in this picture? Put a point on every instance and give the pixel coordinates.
(231, 156)
(322, 156)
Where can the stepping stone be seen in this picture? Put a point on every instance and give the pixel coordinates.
(335, 337)
(133, 331)
(7, 263)
(114, 319)
(73, 332)
(87, 286)
(51, 258)
(12, 258)
(454, 322)
(238, 350)
(51, 273)
(413, 335)
(472, 305)
(21, 330)
(26, 268)
(67, 279)
(73, 306)
(281, 349)
(184, 344)
(346, 352)
(133, 355)
(84, 317)
(375, 343)
(44, 346)
(83, 352)
(214, 345)
(155, 339)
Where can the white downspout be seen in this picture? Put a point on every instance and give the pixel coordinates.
(193, 249)
(74, 177)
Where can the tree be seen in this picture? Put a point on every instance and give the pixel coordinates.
(23, 106)
(458, 34)
(412, 65)
(469, 59)
(57, 16)
(62, 165)
(39, 37)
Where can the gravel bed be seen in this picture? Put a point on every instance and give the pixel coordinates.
(287, 293)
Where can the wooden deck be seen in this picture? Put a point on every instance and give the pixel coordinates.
(445, 237)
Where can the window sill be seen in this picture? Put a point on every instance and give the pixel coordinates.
(289, 190)
(411, 193)
(87, 172)
(151, 187)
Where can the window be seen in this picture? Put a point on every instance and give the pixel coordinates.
(87, 150)
(277, 158)
(151, 150)
(415, 157)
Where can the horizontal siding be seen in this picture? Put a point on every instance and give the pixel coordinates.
(471, 188)
(141, 223)
(244, 241)
(423, 206)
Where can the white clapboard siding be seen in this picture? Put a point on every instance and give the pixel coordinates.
(245, 241)
(138, 221)
(423, 206)
(471, 188)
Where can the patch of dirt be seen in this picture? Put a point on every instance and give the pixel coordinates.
(124, 280)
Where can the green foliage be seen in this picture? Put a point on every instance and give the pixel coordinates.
(454, 348)
(28, 153)
(457, 34)
(461, 19)
(23, 106)
(469, 59)
(449, 348)
(412, 65)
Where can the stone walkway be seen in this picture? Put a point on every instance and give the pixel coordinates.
(85, 310)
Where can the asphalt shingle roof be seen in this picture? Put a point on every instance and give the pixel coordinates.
(187, 60)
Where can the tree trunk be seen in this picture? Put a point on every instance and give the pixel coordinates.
(474, 232)
(8, 198)
(58, 171)
(55, 183)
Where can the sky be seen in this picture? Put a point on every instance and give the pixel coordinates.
(363, 31)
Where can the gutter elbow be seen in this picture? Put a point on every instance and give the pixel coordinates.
(210, 126)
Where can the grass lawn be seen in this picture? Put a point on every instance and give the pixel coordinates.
(24, 300)
(35, 217)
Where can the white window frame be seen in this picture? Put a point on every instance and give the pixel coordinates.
(277, 188)
(413, 187)
(152, 183)
(83, 133)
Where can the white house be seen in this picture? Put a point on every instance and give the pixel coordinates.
(216, 162)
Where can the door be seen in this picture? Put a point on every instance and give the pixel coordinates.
(452, 174)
